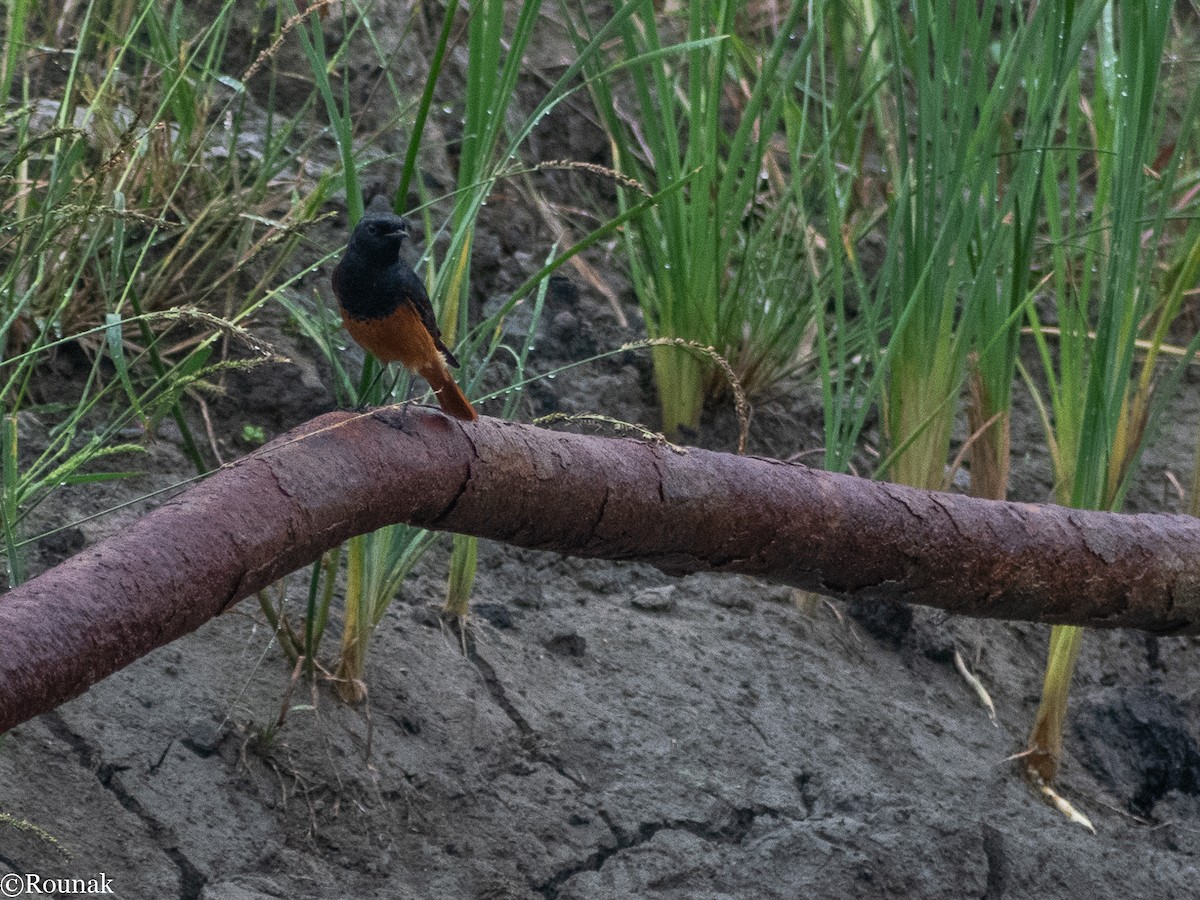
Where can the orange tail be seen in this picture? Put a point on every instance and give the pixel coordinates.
(450, 396)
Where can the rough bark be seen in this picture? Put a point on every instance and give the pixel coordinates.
(680, 510)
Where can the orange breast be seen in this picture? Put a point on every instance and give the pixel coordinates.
(400, 337)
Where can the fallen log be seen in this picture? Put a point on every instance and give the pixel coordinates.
(684, 511)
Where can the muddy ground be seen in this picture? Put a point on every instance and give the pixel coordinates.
(609, 732)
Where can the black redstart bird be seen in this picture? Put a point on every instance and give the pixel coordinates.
(386, 310)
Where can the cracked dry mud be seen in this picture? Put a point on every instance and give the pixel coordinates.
(610, 732)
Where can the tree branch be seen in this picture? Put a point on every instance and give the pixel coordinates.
(681, 510)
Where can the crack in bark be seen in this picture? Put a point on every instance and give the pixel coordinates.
(463, 486)
(901, 497)
(279, 486)
(659, 480)
(600, 513)
(191, 879)
(949, 513)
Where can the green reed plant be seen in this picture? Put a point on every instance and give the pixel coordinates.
(722, 263)
(490, 147)
(493, 67)
(961, 223)
(1002, 264)
(1121, 264)
(826, 122)
(126, 208)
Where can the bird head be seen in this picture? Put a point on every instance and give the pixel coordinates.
(379, 236)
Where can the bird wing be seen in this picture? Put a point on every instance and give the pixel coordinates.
(413, 291)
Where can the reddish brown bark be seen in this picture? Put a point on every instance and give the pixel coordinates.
(681, 510)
